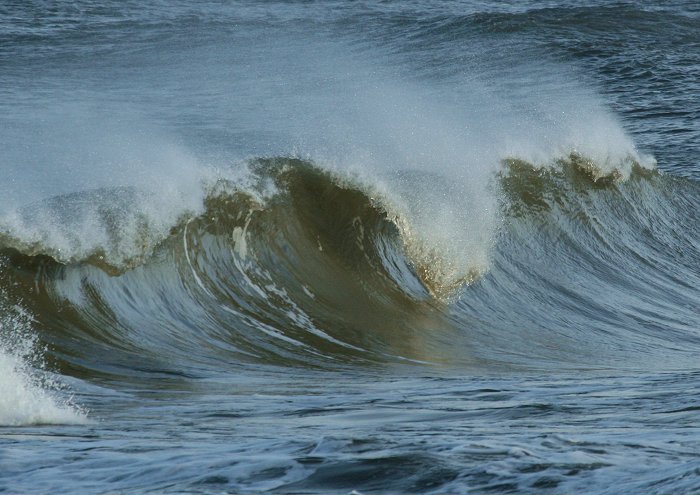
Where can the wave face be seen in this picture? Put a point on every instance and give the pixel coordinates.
(298, 265)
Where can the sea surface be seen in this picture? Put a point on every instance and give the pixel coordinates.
(429, 247)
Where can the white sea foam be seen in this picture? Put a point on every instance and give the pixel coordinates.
(96, 182)
(28, 396)
(24, 401)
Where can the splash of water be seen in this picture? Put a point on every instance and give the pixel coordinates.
(28, 395)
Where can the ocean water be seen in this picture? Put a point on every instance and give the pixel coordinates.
(349, 247)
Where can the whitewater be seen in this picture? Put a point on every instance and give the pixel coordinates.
(349, 247)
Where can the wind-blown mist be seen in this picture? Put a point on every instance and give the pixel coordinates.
(431, 152)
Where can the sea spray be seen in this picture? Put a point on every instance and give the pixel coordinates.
(98, 182)
(29, 395)
(111, 182)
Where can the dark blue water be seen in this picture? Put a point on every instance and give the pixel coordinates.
(349, 247)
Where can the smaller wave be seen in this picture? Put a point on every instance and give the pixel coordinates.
(530, 188)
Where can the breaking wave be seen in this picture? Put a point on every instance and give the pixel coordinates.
(300, 265)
